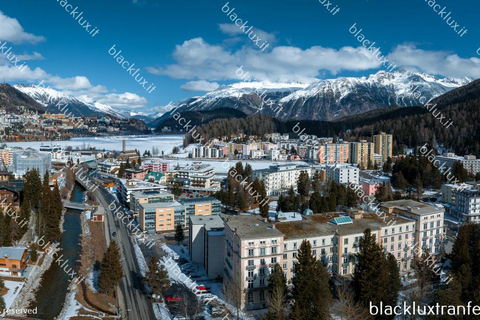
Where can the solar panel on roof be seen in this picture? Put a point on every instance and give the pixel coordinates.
(341, 220)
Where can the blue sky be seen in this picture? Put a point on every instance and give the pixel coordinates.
(189, 47)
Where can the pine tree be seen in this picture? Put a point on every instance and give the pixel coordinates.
(5, 231)
(376, 276)
(264, 208)
(110, 269)
(24, 216)
(157, 278)
(304, 183)
(277, 293)
(121, 171)
(179, 234)
(310, 286)
(33, 253)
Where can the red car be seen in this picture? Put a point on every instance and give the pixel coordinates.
(203, 288)
(172, 299)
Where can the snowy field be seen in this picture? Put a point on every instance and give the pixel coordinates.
(163, 143)
(13, 290)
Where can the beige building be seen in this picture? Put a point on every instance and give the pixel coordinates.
(361, 153)
(334, 152)
(383, 145)
(253, 246)
(429, 222)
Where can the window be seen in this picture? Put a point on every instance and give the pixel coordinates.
(400, 229)
(262, 295)
(323, 252)
(385, 240)
(285, 266)
(393, 239)
(250, 297)
(250, 273)
(295, 245)
(391, 247)
(274, 241)
(314, 242)
(294, 255)
(407, 228)
(262, 243)
(425, 225)
(250, 284)
(285, 256)
(284, 246)
(345, 270)
(262, 251)
(274, 250)
(250, 252)
(345, 241)
(250, 262)
(400, 237)
(262, 283)
(262, 271)
(314, 252)
(250, 243)
(323, 242)
(262, 261)
(274, 260)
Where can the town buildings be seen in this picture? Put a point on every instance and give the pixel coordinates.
(469, 162)
(13, 261)
(362, 153)
(30, 159)
(383, 145)
(466, 206)
(334, 152)
(193, 177)
(342, 174)
(278, 178)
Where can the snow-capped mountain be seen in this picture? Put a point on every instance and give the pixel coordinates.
(327, 99)
(58, 102)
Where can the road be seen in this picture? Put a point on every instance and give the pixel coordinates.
(134, 304)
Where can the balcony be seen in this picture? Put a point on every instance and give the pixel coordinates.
(250, 267)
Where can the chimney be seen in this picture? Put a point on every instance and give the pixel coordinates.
(124, 145)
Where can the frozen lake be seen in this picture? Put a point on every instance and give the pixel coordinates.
(163, 143)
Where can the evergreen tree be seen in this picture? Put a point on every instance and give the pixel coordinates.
(110, 269)
(6, 231)
(157, 278)
(121, 171)
(310, 286)
(317, 181)
(376, 276)
(459, 171)
(265, 208)
(177, 189)
(241, 201)
(24, 216)
(33, 253)
(304, 183)
(277, 293)
(179, 234)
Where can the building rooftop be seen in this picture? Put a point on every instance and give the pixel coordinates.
(150, 193)
(199, 200)
(252, 227)
(161, 205)
(321, 225)
(210, 222)
(411, 206)
(12, 253)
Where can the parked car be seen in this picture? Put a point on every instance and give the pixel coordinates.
(202, 287)
(173, 298)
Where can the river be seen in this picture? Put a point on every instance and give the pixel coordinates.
(55, 282)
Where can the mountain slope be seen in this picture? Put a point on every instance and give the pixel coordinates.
(327, 99)
(58, 102)
(11, 99)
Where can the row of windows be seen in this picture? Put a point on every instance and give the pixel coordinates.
(262, 251)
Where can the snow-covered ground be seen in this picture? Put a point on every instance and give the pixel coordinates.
(140, 258)
(174, 273)
(14, 288)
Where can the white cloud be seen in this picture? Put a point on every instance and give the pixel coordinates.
(125, 100)
(75, 83)
(12, 31)
(196, 59)
(34, 56)
(435, 62)
(200, 85)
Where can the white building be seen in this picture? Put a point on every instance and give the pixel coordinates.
(279, 178)
(469, 162)
(342, 174)
(467, 205)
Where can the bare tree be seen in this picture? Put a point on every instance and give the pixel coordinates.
(346, 307)
(234, 293)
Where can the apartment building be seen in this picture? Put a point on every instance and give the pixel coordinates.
(159, 212)
(334, 152)
(278, 178)
(156, 165)
(127, 187)
(147, 196)
(383, 145)
(206, 239)
(157, 217)
(361, 153)
(252, 248)
(467, 205)
(207, 152)
(202, 206)
(29, 159)
(342, 174)
(469, 162)
(194, 177)
(429, 222)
